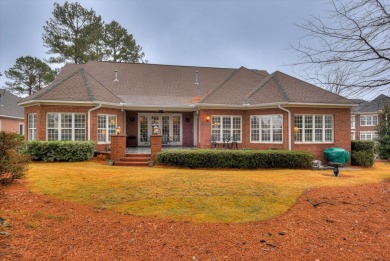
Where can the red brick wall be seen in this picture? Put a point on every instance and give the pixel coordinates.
(342, 129)
(10, 125)
(43, 109)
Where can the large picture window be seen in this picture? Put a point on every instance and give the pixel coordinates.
(313, 128)
(32, 126)
(106, 127)
(226, 127)
(267, 128)
(368, 135)
(368, 120)
(65, 126)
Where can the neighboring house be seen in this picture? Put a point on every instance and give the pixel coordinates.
(193, 107)
(365, 118)
(11, 114)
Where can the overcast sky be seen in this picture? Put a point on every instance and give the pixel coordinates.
(212, 33)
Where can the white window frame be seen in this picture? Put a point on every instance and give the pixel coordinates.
(231, 130)
(301, 130)
(353, 135)
(373, 135)
(59, 127)
(21, 128)
(108, 130)
(369, 120)
(272, 129)
(353, 122)
(32, 126)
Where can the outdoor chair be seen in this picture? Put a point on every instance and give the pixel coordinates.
(234, 142)
(214, 141)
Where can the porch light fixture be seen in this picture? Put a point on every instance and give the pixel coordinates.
(207, 118)
(118, 130)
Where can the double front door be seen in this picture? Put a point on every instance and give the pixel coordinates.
(170, 125)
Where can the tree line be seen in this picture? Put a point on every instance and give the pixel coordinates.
(73, 34)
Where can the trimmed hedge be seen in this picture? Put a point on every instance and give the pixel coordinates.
(60, 150)
(243, 159)
(362, 153)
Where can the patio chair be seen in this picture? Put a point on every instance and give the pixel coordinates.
(214, 141)
(234, 142)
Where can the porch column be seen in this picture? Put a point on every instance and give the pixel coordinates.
(155, 145)
(118, 147)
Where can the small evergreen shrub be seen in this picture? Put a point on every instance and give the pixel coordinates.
(384, 147)
(362, 158)
(362, 153)
(362, 145)
(243, 159)
(13, 164)
(60, 150)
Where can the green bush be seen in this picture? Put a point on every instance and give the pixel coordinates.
(362, 145)
(384, 147)
(362, 153)
(60, 150)
(362, 158)
(243, 159)
(13, 164)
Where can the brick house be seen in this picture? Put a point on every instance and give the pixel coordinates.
(192, 106)
(365, 118)
(11, 114)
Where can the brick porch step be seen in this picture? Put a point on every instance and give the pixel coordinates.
(134, 160)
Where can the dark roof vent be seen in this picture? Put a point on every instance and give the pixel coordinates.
(196, 77)
(116, 76)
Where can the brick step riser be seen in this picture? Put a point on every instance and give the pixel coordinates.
(131, 164)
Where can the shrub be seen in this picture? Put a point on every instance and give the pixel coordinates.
(384, 147)
(243, 159)
(13, 164)
(362, 145)
(362, 153)
(362, 158)
(60, 150)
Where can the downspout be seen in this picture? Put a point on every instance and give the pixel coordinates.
(89, 119)
(289, 125)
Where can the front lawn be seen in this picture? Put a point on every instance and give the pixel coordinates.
(184, 194)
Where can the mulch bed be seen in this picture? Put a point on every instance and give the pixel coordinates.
(347, 223)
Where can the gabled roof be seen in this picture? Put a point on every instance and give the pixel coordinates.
(373, 106)
(9, 105)
(153, 85)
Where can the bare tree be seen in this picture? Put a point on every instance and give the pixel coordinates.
(354, 39)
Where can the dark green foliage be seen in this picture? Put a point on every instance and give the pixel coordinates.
(13, 165)
(384, 134)
(60, 150)
(362, 153)
(243, 159)
(362, 145)
(384, 147)
(28, 75)
(362, 158)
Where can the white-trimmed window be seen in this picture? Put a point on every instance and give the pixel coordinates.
(65, 126)
(32, 126)
(106, 127)
(267, 128)
(226, 127)
(313, 128)
(21, 128)
(368, 120)
(368, 135)
(353, 121)
(353, 135)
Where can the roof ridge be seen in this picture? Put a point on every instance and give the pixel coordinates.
(220, 85)
(87, 85)
(49, 88)
(103, 86)
(280, 87)
(260, 85)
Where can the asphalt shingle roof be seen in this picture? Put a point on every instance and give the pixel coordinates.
(373, 106)
(9, 105)
(170, 85)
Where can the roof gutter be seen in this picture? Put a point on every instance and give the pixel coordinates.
(89, 119)
(12, 117)
(289, 125)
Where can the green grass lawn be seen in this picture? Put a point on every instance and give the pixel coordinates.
(187, 194)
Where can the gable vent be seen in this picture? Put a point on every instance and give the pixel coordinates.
(116, 76)
(196, 77)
